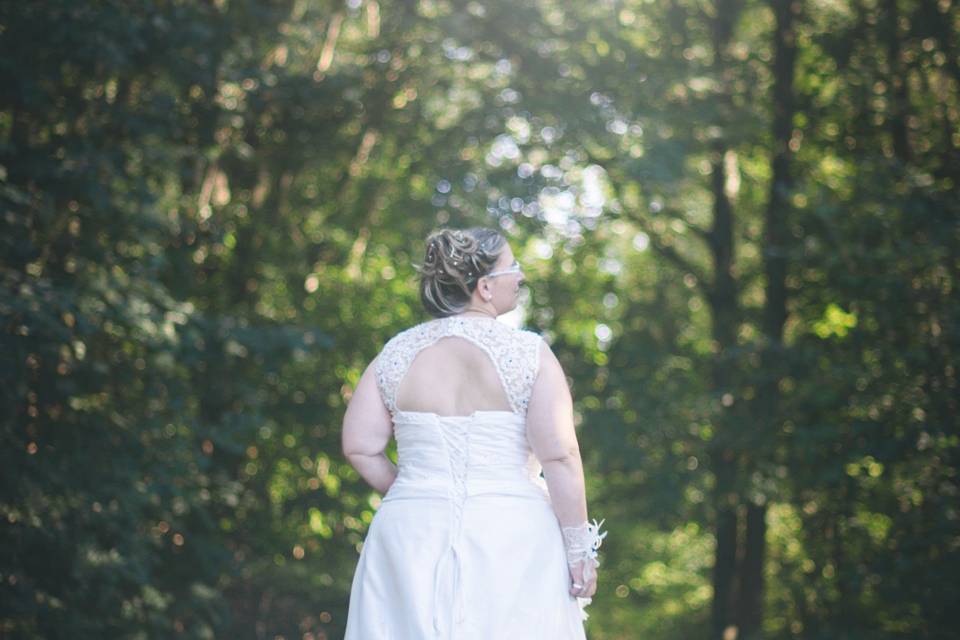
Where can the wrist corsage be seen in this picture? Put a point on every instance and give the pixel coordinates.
(582, 542)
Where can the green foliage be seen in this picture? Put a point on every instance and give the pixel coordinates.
(209, 214)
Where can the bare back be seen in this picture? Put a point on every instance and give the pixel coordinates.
(452, 377)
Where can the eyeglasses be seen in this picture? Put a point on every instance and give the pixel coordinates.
(514, 268)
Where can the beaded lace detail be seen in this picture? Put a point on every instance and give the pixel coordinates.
(514, 353)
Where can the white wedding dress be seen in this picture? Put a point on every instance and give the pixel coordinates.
(465, 544)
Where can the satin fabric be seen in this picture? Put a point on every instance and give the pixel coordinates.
(465, 544)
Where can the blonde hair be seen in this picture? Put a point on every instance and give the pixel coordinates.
(454, 261)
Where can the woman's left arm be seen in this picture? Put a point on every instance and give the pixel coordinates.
(367, 427)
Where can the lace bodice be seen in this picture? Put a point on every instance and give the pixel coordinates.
(515, 355)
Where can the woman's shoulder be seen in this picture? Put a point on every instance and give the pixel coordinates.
(398, 351)
(500, 328)
(524, 334)
(521, 342)
(529, 334)
(409, 334)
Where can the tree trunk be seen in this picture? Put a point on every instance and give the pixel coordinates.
(776, 239)
(725, 561)
(725, 312)
(750, 601)
(726, 318)
(899, 99)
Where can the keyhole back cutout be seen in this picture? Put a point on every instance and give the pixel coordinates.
(452, 377)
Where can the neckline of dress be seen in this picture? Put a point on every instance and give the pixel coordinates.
(480, 413)
(460, 317)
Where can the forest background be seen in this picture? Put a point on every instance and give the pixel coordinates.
(739, 224)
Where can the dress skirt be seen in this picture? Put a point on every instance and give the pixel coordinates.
(502, 576)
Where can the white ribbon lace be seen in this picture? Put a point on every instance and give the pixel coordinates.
(456, 440)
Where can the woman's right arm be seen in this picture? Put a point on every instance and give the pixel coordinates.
(552, 437)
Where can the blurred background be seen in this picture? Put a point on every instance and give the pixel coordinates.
(739, 224)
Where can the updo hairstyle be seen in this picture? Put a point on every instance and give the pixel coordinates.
(455, 260)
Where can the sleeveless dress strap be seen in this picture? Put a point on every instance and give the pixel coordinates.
(515, 354)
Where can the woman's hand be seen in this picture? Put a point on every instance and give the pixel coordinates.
(583, 576)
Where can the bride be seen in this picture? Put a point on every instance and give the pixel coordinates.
(470, 542)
